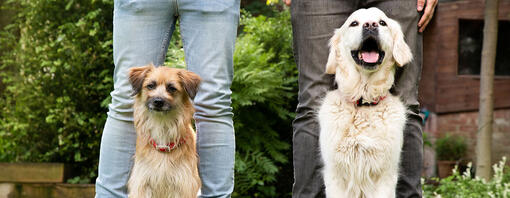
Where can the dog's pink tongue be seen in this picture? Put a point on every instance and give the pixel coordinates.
(370, 57)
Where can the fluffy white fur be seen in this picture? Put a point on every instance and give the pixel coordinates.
(361, 146)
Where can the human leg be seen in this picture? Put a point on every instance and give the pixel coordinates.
(209, 33)
(406, 85)
(313, 24)
(140, 36)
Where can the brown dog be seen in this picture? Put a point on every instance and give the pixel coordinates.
(165, 159)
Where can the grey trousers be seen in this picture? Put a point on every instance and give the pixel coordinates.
(313, 23)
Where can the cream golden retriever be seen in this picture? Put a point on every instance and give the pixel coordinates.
(361, 122)
(165, 159)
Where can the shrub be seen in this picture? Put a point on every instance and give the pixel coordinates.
(264, 89)
(460, 186)
(57, 69)
(450, 147)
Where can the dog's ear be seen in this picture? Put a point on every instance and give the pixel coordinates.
(137, 76)
(333, 53)
(401, 51)
(190, 82)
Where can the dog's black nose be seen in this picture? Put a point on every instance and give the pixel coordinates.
(370, 30)
(158, 102)
(370, 26)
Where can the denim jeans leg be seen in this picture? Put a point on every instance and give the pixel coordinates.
(140, 36)
(209, 35)
(117, 149)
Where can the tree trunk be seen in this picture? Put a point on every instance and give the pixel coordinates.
(485, 119)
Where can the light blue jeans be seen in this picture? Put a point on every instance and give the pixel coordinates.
(141, 34)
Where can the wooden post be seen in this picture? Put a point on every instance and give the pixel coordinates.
(485, 116)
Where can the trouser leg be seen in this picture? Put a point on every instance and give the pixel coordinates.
(140, 36)
(313, 23)
(117, 149)
(406, 85)
(209, 33)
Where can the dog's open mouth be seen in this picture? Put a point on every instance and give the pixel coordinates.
(369, 54)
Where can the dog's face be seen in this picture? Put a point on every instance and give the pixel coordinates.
(368, 39)
(162, 88)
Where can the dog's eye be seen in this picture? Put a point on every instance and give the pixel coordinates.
(354, 23)
(170, 88)
(151, 86)
(383, 23)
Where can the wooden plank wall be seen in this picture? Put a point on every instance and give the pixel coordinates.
(441, 89)
(32, 172)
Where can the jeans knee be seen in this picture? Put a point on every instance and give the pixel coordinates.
(213, 104)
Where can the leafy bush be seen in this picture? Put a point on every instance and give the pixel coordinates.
(450, 147)
(57, 70)
(460, 186)
(263, 94)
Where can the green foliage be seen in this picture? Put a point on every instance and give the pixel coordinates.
(57, 69)
(460, 186)
(426, 139)
(261, 8)
(263, 93)
(175, 54)
(450, 147)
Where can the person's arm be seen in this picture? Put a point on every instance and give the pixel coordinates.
(427, 14)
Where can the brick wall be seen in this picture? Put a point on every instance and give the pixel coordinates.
(466, 124)
(442, 90)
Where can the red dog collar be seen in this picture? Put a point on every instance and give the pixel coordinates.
(166, 147)
(360, 102)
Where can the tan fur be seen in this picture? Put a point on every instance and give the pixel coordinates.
(361, 145)
(157, 174)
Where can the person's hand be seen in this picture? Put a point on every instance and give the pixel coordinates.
(427, 14)
(287, 2)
